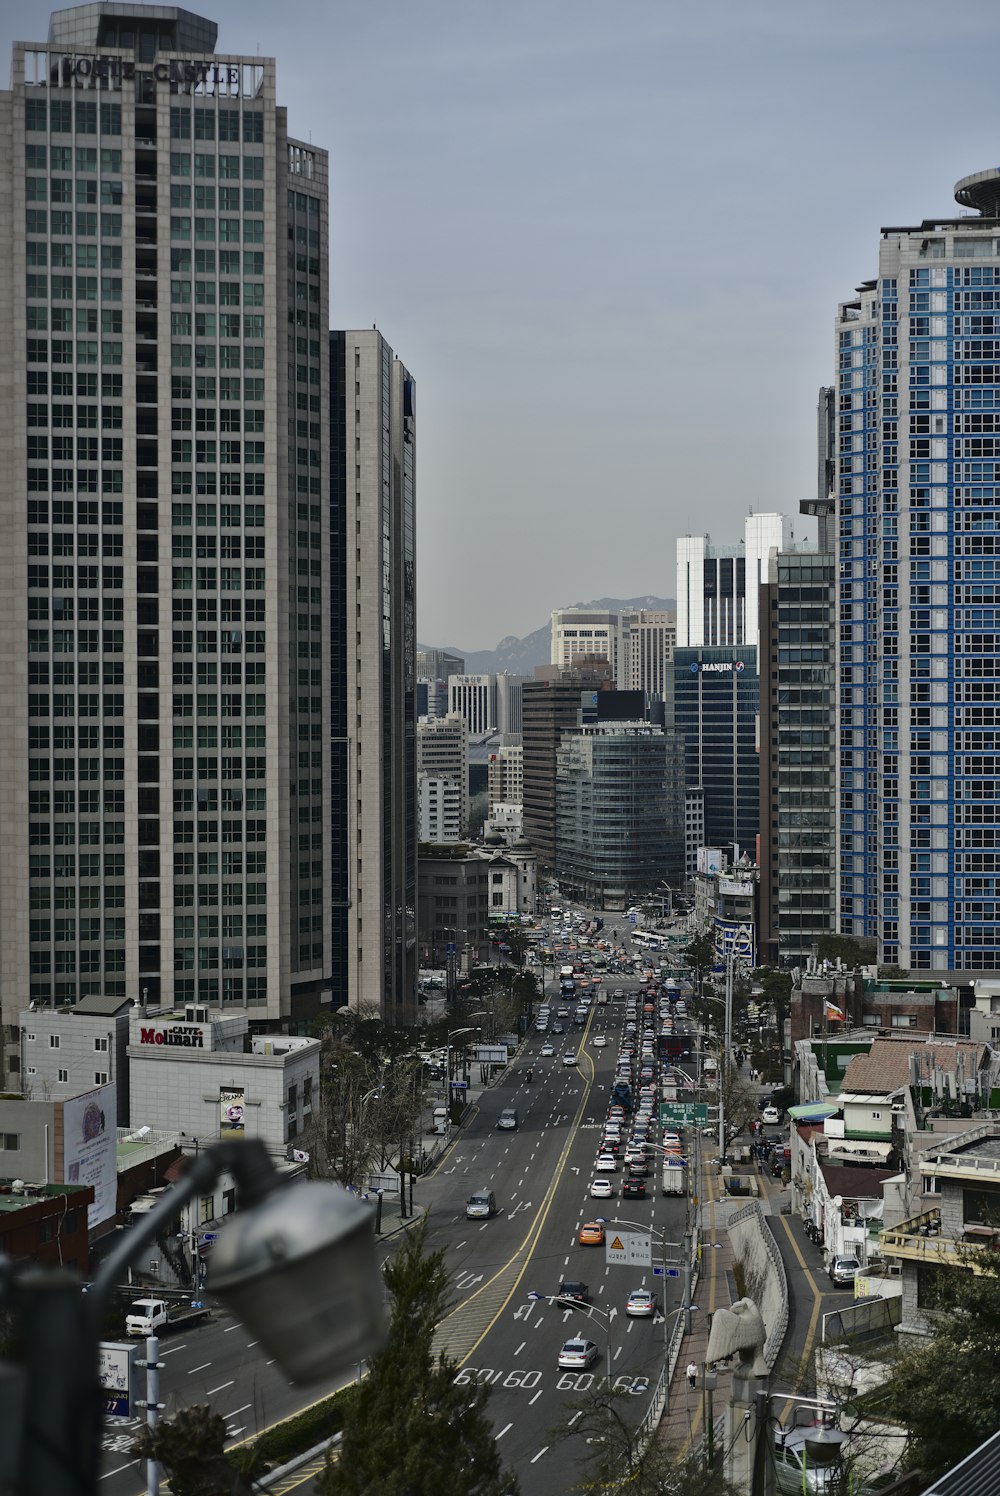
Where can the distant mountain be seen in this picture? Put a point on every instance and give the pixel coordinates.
(520, 656)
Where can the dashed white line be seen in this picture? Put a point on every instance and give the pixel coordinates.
(221, 1388)
(505, 1430)
(520, 1348)
(174, 1348)
(233, 1414)
(204, 1367)
(535, 1398)
(536, 1457)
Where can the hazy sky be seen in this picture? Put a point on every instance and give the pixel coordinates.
(609, 241)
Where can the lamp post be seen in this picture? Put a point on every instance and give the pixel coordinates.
(295, 1263)
(606, 1314)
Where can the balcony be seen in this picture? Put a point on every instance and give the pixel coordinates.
(920, 1240)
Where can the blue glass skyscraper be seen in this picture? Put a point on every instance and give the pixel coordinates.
(917, 475)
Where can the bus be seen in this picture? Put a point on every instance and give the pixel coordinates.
(647, 940)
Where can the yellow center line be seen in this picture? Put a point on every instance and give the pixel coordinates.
(530, 1241)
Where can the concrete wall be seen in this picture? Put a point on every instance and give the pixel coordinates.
(764, 1278)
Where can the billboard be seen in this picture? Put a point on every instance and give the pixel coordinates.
(89, 1138)
(232, 1111)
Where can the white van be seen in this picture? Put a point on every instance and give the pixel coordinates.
(481, 1206)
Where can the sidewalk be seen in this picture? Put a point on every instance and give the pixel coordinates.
(688, 1408)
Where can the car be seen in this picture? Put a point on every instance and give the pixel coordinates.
(572, 1288)
(606, 1164)
(770, 1116)
(591, 1234)
(634, 1189)
(843, 1270)
(641, 1304)
(601, 1189)
(569, 1058)
(637, 1168)
(600, 1041)
(577, 1355)
(547, 1051)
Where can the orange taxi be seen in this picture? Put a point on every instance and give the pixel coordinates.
(591, 1234)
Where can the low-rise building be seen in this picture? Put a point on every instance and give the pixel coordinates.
(75, 1047)
(198, 1070)
(46, 1224)
(960, 1189)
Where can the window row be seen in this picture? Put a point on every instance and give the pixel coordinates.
(205, 199)
(61, 118)
(205, 230)
(226, 166)
(210, 124)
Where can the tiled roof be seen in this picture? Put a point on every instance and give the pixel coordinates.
(886, 1067)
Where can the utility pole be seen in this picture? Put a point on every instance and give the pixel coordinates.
(725, 1056)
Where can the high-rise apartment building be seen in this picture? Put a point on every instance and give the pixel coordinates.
(798, 819)
(918, 503)
(373, 677)
(717, 585)
(163, 658)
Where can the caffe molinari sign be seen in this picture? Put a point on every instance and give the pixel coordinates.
(173, 1035)
(123, 69)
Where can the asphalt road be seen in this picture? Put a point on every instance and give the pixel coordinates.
(215, 1363)
(541, 1176)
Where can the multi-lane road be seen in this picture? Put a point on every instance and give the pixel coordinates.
(497, 1331)
(541, 1175)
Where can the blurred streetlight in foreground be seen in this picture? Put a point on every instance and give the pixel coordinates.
(296, 1264)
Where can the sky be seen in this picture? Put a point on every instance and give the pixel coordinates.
(609, 241)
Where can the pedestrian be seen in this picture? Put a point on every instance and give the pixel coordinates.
(692, 1374)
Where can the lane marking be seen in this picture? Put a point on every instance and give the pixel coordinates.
(537, 1457)
(237, 1410)
(203, 1367)
(221, 1388)
(534, 1399)
(505, 1430)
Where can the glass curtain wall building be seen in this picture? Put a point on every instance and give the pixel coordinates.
(163, 666)
(918, 498)
(716, 698)
(619, 813)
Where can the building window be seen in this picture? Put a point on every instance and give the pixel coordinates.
(100, 1077)
(11, 1141)
(207, 1209)
(101, 1046)
(63, 1077)
(53, 1041)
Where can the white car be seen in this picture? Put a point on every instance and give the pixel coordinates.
(601, 1189)
(569, 1058)
(600, 1041)
(547, 1051)
(641, 1304)
(770, 1115)
(606, 1164)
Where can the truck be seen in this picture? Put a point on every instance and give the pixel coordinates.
(622, 1095)
(674, 1175)
(153, 1316)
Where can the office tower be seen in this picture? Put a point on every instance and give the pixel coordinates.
(918, 503)
(717, 585)
(162, 654)
(549, 708)
(506, 775)
(798, 818)
(474, 697)
(716, 693)
(510, 689)
(584, 634)
(373, 680)
(619, 813)
(646, 640)
(439, 808)
(434, 666)
(443, 753)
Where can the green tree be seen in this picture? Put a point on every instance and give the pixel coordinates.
(945, 1389)
(191, 1449)
(700, 956)
(412, 1429)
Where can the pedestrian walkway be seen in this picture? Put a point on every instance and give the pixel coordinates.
(689, 1408)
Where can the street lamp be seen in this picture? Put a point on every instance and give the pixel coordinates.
(296, 1264)
(590, 1310)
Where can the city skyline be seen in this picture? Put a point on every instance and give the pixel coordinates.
(560, 176)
